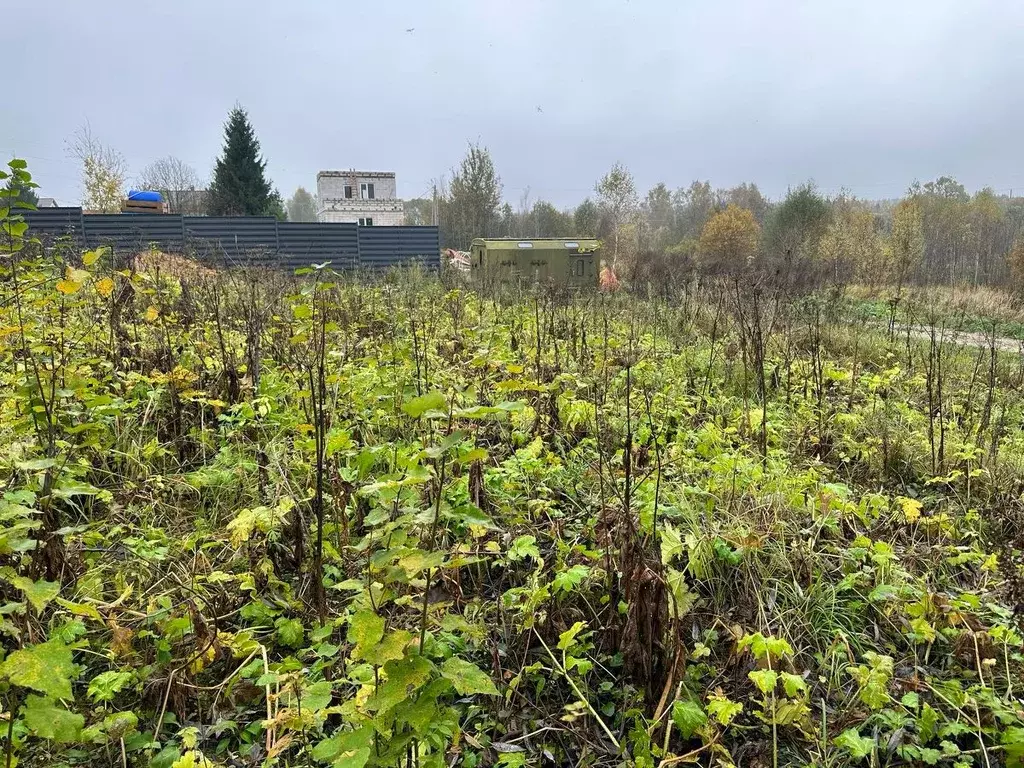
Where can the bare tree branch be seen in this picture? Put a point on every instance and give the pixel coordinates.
(177, 181)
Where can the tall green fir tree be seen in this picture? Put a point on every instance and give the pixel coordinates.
(240, 186)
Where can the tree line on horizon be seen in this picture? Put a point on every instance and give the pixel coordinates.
(937, 233)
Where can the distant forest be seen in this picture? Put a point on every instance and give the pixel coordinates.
(938, 233)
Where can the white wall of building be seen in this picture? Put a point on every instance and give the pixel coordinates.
(385, 210)
(389, 215)
(330, 185)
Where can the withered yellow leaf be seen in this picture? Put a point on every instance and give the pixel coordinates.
(77, 275)
(67, 287)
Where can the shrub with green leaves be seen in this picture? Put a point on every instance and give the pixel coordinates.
(249, 518)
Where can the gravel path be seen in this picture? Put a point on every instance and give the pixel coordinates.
(965, 338)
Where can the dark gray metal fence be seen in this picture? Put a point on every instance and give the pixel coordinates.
(54, 222)
(254, 240)
(301, 244)
(132, 232)
(378, 246)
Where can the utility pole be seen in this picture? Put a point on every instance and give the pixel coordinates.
(434, 206)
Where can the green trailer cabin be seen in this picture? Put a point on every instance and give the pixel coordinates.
(563, 260)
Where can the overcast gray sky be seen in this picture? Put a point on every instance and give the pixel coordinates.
(867, 95)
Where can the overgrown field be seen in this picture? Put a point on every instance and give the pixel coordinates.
(255, 520)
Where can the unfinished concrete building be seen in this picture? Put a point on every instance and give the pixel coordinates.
(367, 198)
